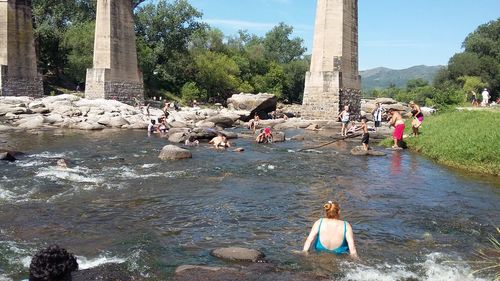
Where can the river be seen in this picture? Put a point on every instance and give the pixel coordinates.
(413, 219)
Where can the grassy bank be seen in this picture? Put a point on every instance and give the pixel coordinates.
(466, 140)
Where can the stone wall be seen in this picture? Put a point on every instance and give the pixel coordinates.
(98, 86)
(321, 96)
(19, 86)
(19, 75)
(352, 98)
(115, 74)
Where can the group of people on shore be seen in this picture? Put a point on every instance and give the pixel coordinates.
(395, 118)
(485, 101)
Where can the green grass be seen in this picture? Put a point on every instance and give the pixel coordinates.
(465, 140)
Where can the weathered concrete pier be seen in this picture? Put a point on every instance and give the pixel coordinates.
(115, 74)
(333, 79)
(18, 69)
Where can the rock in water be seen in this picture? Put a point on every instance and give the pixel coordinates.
(238, 254)
(178, 137)
(279, 137)
(360, 151)
(221, 121)
(172, 152)
(7, 156)
(256, 104)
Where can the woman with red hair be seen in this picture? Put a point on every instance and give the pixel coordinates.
(332, 235)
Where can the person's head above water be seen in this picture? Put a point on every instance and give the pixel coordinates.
(332, 210)
(52, 264)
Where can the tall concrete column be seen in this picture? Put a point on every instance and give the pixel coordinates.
(333, 79)
(116, 74)
(18, 69)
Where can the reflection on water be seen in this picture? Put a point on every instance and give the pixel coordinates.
(119, 202)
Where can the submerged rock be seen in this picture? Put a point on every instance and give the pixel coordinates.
(252, 272)
(172, 152)
(238, 254)
(7, 156)
(279, 137)
(360, 151)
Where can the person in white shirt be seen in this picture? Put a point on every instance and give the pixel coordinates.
(486, 97)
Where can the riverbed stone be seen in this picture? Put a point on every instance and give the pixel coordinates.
(221, 121)
(360, 151)
(178, 137)
(172, 152)
(89, 126)
(7, 156)
(34, 122)
(238, 254)
(279, 137)
(253, 272)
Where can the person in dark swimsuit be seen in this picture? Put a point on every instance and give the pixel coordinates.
(331, 234)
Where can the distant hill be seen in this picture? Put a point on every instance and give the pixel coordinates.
(381, 77)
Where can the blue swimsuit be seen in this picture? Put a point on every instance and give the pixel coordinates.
(342, 249)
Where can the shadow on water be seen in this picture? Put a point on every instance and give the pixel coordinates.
(119, 202)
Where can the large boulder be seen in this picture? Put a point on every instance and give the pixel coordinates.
(386, 101)
(89, 126)
(172, 152)
(259, 104)
(6, 109)
(238, 254)
(221, 121)
(178, 137)
(34, 122)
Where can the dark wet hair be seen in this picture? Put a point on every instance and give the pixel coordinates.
(52, 264)
(153, 121)
(192, 138)
(364, 119)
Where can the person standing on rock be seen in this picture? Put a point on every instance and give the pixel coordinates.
(377, 115)
(399, 127)
(365, 138)
(332, 235)
(344, 117)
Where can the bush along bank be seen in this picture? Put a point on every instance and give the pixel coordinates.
(468, 140)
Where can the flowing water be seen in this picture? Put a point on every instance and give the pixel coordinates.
(413, 219)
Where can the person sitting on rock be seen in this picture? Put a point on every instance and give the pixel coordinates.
(220, 141)
(52, 264)
(352, 129)
(192, 141)
(331, 234)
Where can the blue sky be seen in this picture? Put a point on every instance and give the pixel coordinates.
(392, 33)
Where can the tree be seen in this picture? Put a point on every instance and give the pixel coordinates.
(279, 47)
(164, 30)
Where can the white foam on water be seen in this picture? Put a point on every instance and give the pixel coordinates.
(77, 174)
(48, 155)
(6, 194)
(5, 278)
(432, 269)
(85, 263)
(130, 173)
(149, 166)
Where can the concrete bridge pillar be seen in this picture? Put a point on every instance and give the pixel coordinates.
(18, 64)
(115, 74)
(333, 79)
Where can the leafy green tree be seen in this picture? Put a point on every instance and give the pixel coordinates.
(164, 30)
(79, 41)
(217, 74)
(279, 47)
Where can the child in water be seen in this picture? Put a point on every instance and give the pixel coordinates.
(365, 139)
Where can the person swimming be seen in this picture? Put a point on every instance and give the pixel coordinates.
(220, 141)
(331, 234)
